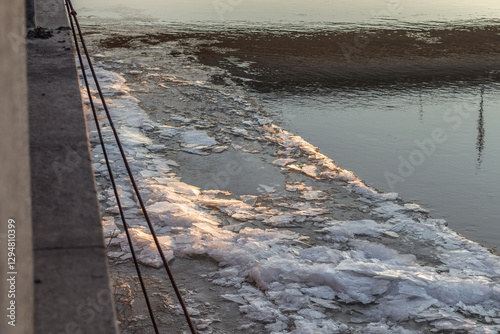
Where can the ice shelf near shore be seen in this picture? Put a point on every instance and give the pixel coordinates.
(296, 266)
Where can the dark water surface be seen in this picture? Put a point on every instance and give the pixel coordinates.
(406, 94)
(387, 137)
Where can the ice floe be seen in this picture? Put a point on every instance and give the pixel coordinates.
(399, 271)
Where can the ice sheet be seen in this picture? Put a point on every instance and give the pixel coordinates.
(365, 270)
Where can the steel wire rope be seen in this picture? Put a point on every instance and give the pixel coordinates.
(73, 13)
(111, 176)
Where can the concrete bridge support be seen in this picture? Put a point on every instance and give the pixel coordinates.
(16, 260)
(53, 267)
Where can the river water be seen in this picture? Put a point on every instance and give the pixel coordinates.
(219, 106)
(385, 136)
(312, 13)
(376, 130)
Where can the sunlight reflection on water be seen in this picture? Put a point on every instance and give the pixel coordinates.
(295, 12)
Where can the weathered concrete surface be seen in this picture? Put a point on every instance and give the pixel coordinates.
(14, 169)
(50, 14)
(72, 291)
(30, 13)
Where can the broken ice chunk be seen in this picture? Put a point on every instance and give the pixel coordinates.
(280, 220)
(195, 141)
(310, 170)
(145, 247)
(239, 131)
(283, 162)
(313, 194)
(415, 207)
(181, 119)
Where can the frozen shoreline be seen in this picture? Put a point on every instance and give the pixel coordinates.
(312, 249)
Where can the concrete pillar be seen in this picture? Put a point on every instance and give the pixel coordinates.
(30, 14)
(15, 205)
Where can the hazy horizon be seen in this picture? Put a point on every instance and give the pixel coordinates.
(294, 11)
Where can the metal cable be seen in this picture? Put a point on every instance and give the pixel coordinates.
(125, 225)
(72, 13)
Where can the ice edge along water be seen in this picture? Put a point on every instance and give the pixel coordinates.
(283, 281)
